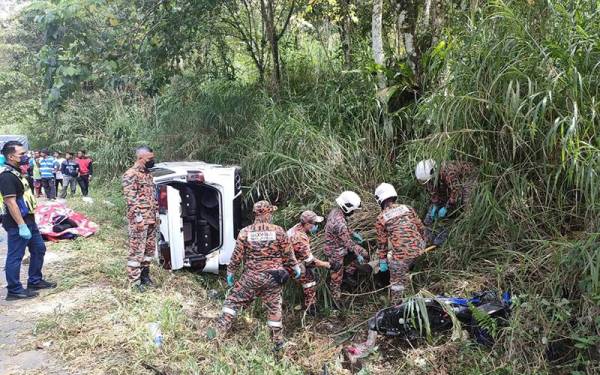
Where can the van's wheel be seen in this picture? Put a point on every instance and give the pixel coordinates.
(198, 265)
(164, 258)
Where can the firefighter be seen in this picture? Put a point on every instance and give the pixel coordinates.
(339, 243)
(300, 242)
(142, 210)
(398, 227)
(452, 188)
(265, 251)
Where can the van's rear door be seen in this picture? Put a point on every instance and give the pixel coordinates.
(175, 228)
(170, 216)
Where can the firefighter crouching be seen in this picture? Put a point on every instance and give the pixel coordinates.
(339, 244)
(400, 227)
(300, 242)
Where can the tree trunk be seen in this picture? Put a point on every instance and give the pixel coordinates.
(377, 40)
(346, 31)
(379, 57)
(240, 16)
(267, 11)
(407, 26)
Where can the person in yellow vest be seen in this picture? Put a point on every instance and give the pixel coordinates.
(19, 223)
(2, 210)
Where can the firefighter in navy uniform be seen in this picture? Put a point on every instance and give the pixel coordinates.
(265, 250)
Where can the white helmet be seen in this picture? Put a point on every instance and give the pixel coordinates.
(425, 170)
(385, 191)
(348, 201)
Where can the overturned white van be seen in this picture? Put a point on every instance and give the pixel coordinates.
(200, 214)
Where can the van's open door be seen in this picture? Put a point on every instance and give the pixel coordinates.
(175, 228)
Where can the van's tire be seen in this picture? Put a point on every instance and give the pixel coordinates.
(164, 258)
(198, 265)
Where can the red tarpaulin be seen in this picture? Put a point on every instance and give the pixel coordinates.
(56, 221)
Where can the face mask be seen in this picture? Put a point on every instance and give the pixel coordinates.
(24, 160)
(314, 229)
(149, 164)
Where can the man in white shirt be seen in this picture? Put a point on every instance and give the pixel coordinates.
(59, 176)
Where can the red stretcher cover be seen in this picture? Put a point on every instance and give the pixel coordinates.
(56, 221)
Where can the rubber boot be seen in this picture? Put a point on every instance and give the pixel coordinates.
(145, 277)
(138, 286)
(278, 350)
(337, 305)
(312, 310)
(349, 281)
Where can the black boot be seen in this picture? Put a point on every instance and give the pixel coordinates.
(145, 277)
(312, 310)
(349, 281)
(278, 350)
(138, 286)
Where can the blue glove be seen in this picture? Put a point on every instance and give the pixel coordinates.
(356, 237)
(24, 232)
(433, 211)
(360, 259)
(230, 279)
(297, 272)
(383, 266)
(442, 212)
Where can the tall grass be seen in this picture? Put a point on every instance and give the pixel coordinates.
(521, 101)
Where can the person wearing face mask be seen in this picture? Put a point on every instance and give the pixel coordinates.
(339, 244)
(265, 252)
(142, 210)
(19, 223)
(300, 241)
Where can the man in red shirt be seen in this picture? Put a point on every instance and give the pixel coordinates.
(85, 172)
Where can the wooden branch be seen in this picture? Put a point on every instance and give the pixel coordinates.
(287, 20)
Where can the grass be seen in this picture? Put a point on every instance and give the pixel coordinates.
(106, 332)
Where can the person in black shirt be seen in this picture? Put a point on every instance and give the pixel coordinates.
(20, 226)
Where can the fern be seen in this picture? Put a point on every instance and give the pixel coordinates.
(484, 321)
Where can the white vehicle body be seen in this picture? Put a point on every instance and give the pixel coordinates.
(200, 214)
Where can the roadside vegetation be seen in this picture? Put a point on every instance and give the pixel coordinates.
(513, 86)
